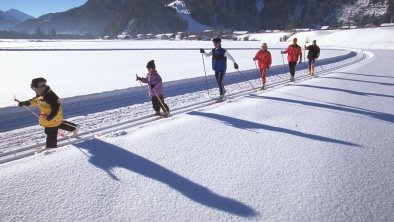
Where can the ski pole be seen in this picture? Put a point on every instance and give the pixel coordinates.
(27, 108)
(258, 72)
(205, 71)
(304, 61)
(147, 96)
(321, 66)
(284, 67)
(247, 80)
(161, 102)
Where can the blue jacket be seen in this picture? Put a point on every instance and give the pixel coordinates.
(219, 60)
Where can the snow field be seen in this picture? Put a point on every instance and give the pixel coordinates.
(316, 150)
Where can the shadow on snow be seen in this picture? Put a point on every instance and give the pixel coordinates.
(368, 75)
(336, 107)
(108, 156)
(357, 80)
(248, 125)
(345, 90)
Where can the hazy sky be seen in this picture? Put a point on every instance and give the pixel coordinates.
(37, 8)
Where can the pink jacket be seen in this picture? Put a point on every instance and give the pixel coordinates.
(155, 84)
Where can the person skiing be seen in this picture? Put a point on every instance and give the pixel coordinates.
(219, 63)
(313, 54)
(293, 52)
(51, 112)
(263, 56)
(155, 83)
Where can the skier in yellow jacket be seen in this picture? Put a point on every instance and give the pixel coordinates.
(51, 112)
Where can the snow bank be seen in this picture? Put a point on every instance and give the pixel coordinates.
(274, 37)
(368, 38)
(371, 38)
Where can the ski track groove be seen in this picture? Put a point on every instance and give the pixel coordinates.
(15, 145)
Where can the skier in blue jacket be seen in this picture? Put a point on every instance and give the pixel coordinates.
(219, 63)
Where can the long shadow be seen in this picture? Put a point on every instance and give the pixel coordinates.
(108, 156)
(368, 75)
(248, 125)
(357, 80)
(373, 114)
(345, 90)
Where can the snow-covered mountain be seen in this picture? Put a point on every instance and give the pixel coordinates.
(6, 21)
(111, 17)
(12, 17)
(280, 14)
(18, 15)
(193, 25)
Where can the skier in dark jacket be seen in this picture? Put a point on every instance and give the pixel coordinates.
(51, 112)
(219, 63)
(313, 54)
(155, 83)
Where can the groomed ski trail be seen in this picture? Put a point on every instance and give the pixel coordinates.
(234, 92)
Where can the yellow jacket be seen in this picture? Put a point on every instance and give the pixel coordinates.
(48, 104)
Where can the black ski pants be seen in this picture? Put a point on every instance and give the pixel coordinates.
(51, 133)
(219, 79)
(292, 66)
(157, 103)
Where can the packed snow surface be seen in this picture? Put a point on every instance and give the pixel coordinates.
(319, 149)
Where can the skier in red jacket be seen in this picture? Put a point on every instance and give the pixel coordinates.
(263, 56)
(294, 53)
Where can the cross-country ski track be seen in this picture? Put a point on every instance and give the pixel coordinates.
(239, 88)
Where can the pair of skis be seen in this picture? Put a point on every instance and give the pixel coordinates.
(61, 134)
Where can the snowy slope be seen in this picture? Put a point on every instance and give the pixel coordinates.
(368, 38)
(318, 150)
(193, 25)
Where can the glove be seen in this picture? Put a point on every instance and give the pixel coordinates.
(202, 51)
(26, 103)
(236, 66)
(282, 52)
(138, 78)
(152, 86)
(50, 117)
(254, 59)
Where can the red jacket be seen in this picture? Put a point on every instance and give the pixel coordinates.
(293, 53)
(264, 59)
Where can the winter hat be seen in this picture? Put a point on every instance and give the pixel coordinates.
(38, 82)
(216, 40)
(151, 64)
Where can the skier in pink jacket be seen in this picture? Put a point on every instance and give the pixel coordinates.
(155, 84)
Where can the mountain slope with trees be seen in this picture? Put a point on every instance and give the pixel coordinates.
(111, 17)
